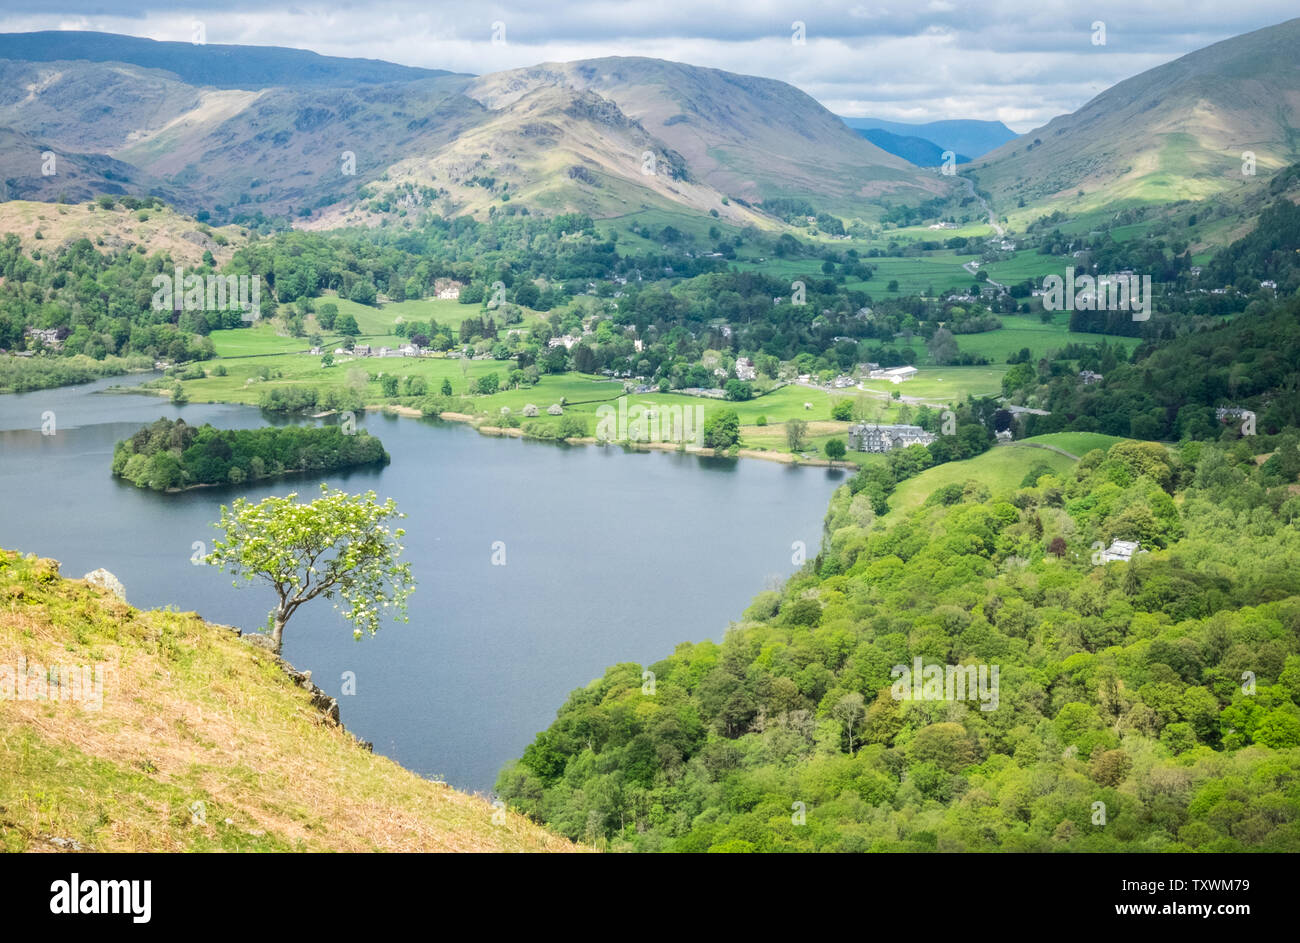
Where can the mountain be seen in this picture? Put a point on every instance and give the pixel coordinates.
(215, 66)
(740, 135)
(185, 711)
(1177, 131)
(917, 151)
(27, 172)
(961, 136)
(237, 130)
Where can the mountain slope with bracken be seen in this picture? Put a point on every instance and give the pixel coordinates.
(1178, 131)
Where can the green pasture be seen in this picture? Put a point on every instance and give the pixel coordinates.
(946, 385)
(1077, 443)
(1020, 331)
(1000, 469)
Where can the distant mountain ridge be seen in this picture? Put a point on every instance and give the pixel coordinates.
(219, 66)
(236, 130)
(970, 137)
(918, 151)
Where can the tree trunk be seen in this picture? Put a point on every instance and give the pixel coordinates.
(277, 633)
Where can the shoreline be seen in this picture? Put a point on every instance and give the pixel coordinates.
(484, 427)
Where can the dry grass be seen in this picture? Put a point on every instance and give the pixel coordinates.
(163, 231)
(192, 714)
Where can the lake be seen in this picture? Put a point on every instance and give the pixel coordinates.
(610, 556)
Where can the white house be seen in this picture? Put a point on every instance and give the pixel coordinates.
(1120, 550)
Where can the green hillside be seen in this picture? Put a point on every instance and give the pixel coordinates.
(1199, 116)
(1152, 705)
(200, 742)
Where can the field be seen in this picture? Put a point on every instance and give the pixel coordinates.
(375, 322)
(264, 356)
(945, 385)
(1076, 443)
(1019, 331)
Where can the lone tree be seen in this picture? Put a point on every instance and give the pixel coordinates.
(795, 432)
(835, 450)
(338, 546)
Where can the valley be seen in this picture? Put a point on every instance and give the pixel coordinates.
(707, 410)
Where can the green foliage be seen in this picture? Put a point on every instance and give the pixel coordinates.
(721, 429)
(796, 434)
(739, 390)
(338, 546)
(169, 455)
(22, 374)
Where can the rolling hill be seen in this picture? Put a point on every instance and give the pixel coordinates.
(213, 65)
(1178, 131)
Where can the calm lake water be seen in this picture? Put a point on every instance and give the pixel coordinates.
(611, 556)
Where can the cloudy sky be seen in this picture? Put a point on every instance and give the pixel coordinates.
(1018, 61)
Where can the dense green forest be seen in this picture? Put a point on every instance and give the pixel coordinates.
(1144, 705)
(99, 303)
(171, 454)
(1251, 362)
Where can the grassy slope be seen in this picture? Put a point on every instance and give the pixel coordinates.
(1000, 469)
(192, 714)
(1197, 115)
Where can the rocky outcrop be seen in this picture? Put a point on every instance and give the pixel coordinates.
(102, 579)
(328, 706)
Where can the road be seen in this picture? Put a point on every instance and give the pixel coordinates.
(973, 267)
(993, 219)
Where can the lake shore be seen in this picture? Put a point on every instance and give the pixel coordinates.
(485, 428)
